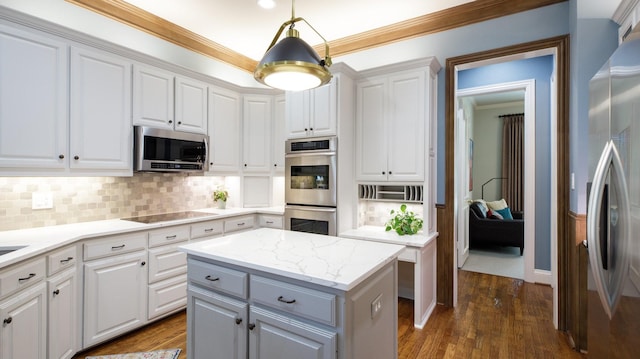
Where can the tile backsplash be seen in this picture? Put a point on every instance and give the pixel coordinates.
(82, 199)
(373, 213)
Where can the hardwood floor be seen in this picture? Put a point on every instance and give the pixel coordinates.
(496, 317)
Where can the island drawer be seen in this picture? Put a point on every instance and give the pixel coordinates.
(61, 259)
(160, 237)
(206, 229)
(111, 246)
(22, 276)
(218, 278)
(305, 302)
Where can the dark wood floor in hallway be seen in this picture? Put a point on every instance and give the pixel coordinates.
(496, 317)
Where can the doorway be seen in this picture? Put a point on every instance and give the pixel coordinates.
(447, 214)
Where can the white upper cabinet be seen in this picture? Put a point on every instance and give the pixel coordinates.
(191, 105)
(394, 112)
(312, 113)
(33, 101)
(152, 97)
(257, 133)
(162, 99)
(279, 133)
(225, 110)
(100, 122)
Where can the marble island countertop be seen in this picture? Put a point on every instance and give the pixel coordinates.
(34, 241)
(378, 234)
(335, 262)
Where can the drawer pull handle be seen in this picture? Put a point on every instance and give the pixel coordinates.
(211, 279)
(171, 237)
(7, 321)
(269, 222)
(238, 321)
(31, 275)
(56, 292)
(281, 299)
(240, 224)
(69, 259)
(117, 247)
(207, 230)
(251, 326)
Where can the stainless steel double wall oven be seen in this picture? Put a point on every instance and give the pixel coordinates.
(310, 185)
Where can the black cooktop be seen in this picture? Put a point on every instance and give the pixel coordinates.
(153, 218)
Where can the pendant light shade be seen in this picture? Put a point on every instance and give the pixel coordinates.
(292, 64)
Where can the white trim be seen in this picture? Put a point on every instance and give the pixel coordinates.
(542, 277)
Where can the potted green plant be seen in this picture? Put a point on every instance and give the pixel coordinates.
(220, 196)
(404, 222)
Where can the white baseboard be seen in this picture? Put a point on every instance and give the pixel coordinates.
(542, 276)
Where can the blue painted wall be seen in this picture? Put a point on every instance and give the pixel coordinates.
(540, 69)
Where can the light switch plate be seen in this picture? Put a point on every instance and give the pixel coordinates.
(376, 306)
(41, 200)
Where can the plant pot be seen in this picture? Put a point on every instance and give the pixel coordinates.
(222, 204)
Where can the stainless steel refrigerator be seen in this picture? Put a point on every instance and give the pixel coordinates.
(613, 209)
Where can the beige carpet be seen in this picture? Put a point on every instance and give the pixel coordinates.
(158, 354)
(501, 261)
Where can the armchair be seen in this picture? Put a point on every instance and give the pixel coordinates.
(483, 230)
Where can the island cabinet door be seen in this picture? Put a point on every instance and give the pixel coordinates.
(275, 336)
(217, 326)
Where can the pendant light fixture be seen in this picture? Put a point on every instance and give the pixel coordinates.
(292, 64)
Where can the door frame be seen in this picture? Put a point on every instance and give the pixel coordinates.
(446, 225)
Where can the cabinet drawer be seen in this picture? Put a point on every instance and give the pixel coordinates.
(167, 296)
(166, 262)
(161, 237)
(206, 229)
(238, 224)
(305, 302)
(61, 259)
(218, 278)
(271, 221)
(22, 276)
(110, 246)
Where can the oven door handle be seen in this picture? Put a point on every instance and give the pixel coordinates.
(309, 154)
(312, 209)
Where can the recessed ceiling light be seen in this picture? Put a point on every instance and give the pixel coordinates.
(267, 4)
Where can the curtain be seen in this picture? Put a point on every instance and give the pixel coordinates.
(513, 160)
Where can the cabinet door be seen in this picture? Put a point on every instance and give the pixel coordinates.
(115, 296)
(274, 336)
(23, 332)
(101, 131)
(224, 130)
(191, 105)
(406, 129)
(371, 137)
(279, 134)
(152, 97)
(63, 313)
(297, 114)
(324, 110)
(216, 326)
(33, 101)
(257, 133)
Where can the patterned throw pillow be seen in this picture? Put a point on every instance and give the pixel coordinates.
(505, 213)
(497, 205)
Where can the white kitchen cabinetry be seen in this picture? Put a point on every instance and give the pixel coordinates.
(312, 113)
(270, 221)
(63, 310)
(23, 311)
(163, 100)
(257, 134)
(225, 110)
(207, 229)
(33, 136)
(115, 286)
(237, 224)
(100, 132)
(393, 115)
(279, 133)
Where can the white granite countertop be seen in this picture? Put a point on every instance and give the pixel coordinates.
(378, 234)
(336, 262)
(35, 241)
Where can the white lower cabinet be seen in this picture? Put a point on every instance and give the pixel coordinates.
(115, 296)
(62, 291)
(167, 296)
(24, 324)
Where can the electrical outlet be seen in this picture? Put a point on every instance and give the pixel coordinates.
(41, 200)
(376, 306)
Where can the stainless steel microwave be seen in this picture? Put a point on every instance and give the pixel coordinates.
(158, 150)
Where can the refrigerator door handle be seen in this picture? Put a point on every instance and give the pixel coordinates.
(609, 285)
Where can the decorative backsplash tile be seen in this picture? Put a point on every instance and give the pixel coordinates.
(82, 199)
(373, 213)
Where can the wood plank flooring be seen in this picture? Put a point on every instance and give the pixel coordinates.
(496, 317)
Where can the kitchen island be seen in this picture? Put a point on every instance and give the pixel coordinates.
(280, 294)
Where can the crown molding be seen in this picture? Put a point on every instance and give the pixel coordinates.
(462, 15)
(624, 10)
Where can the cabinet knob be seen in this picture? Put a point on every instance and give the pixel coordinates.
(76, 157)
(179, 122)
(310, 128)
(170, 121)
(56, 292)
(238, 321)
(61, 157)
(251, 326)
(306, 129)
(383, 172)
(275, 165)
(143, 263)
(7, 321)
(390, 172)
